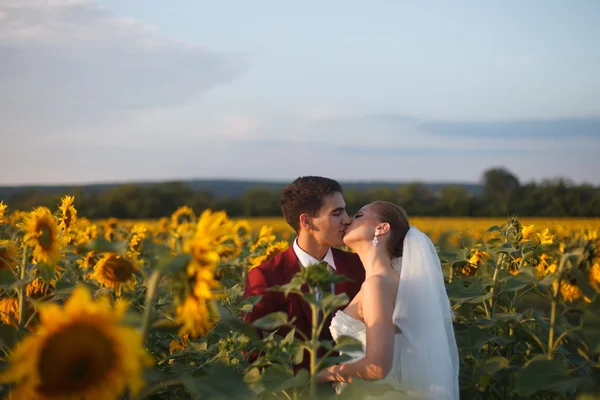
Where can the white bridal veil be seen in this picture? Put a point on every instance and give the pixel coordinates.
(428, 364)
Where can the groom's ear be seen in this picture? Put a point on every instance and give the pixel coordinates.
(305, 222)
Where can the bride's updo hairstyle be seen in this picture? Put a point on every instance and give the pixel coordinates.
(396, 216)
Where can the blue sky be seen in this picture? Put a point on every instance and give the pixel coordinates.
(127, 90)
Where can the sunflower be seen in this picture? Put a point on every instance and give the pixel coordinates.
(9, 306)
(513, 267)
(203, 251)
(242, 231)
(527, 230)
(479, 257)
(178, 345)
(68, 213)
(475, 261)
(115, 271)
(214, 225)
(183, 215)
(273, 250)
(8, 255)
(569, 291)
(78, 351)
(193, 313)
(110, 229)
(9, 311)
(545, 237)
(86, 231)
(163, 224)
(90, 260)
(544, 268)
(594, 276)
(265, 236)
(3, 208)
(42, 235)
(37, 288)
(138, 234)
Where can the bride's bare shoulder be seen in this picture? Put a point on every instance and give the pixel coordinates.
(377, 283)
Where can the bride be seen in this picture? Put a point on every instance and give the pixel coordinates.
(401, 315)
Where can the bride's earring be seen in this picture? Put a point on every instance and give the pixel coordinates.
(375, 241)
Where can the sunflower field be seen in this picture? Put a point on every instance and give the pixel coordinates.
(117, 309)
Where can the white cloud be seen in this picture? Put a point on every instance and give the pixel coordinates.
(71, 64)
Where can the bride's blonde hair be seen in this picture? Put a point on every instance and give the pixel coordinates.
(396, 216)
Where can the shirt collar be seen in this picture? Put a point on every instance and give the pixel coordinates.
(306, 259)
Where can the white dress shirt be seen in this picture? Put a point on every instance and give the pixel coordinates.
(307, 260)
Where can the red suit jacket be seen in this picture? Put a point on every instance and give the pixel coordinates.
(279, 271)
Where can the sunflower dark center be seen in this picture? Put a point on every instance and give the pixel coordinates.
(5, 259)
(45, 238)
(74, 360)
(118, 270)
(68, 218)
(184, 218)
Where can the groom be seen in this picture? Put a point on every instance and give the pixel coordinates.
(314, 207)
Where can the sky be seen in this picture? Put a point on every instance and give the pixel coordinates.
(130, 90)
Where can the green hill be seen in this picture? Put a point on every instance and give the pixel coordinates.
(218, 188)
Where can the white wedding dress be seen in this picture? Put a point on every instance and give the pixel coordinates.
(425, 355)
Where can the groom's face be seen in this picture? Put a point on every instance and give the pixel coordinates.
(331, 220)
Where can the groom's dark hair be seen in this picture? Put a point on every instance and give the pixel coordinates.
(305, 195)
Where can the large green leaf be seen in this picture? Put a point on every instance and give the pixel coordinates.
(332, 301)
(293, 286)
(46, 272)
(474, 293)
(476, 338)
(519, 281)
(271, 321)
(248, 304)
(494, 228)
(7, 278)
(276, 379)
(9, 336)
(220, 383)
(548, 280)
(503, 341)
(507, 317)
(173, 264)
(487, 370)
(101, 245)
(545, 376)
(591, 330)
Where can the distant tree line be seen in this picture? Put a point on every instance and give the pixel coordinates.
(502, 195)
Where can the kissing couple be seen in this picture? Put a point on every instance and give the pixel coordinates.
(398, 308)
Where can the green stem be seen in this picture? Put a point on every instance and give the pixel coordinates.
(561, 267)
(152, 285)
(21, 289)
(551, 334)
(552, 323)
(164, 385)
(495, 282)
(559, 339)
(313, 351)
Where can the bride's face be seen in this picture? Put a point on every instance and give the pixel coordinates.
(362, 228)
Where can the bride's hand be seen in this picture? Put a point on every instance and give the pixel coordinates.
(323, 376)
